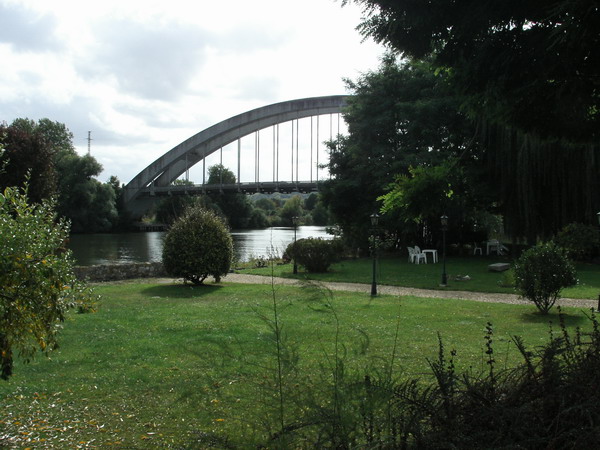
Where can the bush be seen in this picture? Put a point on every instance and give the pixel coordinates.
(198, 245)
(37, 282)
(508, 279)
(315, 254)
(580, 241)
(541, 273)
(550, 400)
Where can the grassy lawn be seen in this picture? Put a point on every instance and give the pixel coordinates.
(397, 271)
(176, 366)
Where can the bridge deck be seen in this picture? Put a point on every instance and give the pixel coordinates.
(246, 188)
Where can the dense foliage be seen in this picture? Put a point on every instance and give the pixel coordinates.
(27, 155)
(88, 203)
(43, 151)
(401, 116)
(247, 211)
(198, 245)
(234, 206)
(170, 208)
(549, 401)
(427, 193)
(540, 186)
(532, 65)
(541, 273)
(37, 284)
(580, 241)
(527, 74)
(315, 254)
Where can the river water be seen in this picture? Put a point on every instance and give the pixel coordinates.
(120, 248)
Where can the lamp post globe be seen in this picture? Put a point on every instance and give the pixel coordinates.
(375, 219)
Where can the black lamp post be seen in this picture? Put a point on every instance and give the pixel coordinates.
(598, 216)
(295, 223)
(444, 220)
(374, 222)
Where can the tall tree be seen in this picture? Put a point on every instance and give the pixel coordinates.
(419, 199)
(528, 72)
(124, 217)
(400, 116)
(541, 186)
(235, 206)
(45, 150)
(293, 207)
(171, 208)
(533, 65)
(88, 203)
(27, 155)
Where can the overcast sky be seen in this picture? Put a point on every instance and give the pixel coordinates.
(143, 76)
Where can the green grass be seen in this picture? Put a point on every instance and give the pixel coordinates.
(397, 271)
(162, 365)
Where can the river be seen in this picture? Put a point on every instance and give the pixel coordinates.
(120, 248)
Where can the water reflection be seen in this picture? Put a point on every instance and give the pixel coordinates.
(270, 241)
(120, 248)
(116, 248)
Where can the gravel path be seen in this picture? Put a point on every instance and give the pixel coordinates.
(397, 290)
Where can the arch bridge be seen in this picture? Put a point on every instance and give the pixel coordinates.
(157, 178)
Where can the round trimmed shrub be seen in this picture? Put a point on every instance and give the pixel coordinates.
(542, 272)
(315, 254)
(198, 245)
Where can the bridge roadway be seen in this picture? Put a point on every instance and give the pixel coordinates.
(268, 187)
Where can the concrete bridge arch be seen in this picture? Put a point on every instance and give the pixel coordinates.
(167, 168)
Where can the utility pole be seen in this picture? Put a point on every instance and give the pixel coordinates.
(89, 142)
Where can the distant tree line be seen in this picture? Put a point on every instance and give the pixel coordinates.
(244, 211)
(42, 152)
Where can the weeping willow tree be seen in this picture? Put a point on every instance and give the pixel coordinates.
(541, 185)
(533, 68)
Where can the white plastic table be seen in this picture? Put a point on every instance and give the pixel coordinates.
(434, 254)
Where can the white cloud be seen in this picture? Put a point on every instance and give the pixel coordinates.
(27, 31)
(144, 76)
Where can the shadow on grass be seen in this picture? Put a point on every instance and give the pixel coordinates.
(181, 290)
(573, 319)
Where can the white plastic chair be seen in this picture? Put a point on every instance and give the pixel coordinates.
(493, 245)
(411, 252)
(418, 256)
(477, 248)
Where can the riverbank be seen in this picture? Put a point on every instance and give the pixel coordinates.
(117, 272)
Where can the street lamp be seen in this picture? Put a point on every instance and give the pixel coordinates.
(598, 216)
(374, 222)
(295, 223)
(444, 220)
